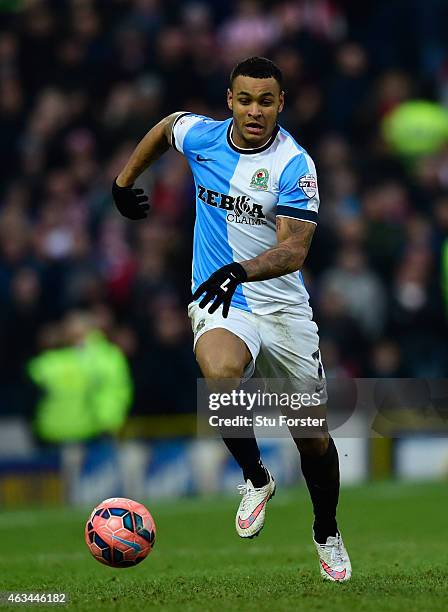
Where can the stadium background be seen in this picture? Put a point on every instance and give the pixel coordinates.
(80, 83)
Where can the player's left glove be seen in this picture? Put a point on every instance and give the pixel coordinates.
(220, 287)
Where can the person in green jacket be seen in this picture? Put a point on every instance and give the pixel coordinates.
(87, 387)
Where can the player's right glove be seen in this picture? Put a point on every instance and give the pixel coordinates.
(132, 203)
(220, 287)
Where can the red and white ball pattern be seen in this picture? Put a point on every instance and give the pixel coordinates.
(120, 532)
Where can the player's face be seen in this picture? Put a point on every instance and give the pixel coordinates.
(255, 104)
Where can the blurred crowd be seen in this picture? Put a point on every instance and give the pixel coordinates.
(81, 81)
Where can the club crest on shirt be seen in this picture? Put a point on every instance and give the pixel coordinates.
(260, 179)
(308, 184)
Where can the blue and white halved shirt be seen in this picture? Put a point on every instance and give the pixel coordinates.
(239, 193)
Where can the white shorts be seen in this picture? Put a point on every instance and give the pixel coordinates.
(284, 345)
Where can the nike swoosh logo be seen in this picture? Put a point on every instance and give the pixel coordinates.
(199, 158)
(246, 523)
(133, 545)
(333, 573)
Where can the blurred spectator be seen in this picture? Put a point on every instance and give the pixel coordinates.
(341, 335)
(386, 361)
(360, 291)
(82, 82)
(86, 385)
(250, 31)
(166, 375)
(347, 88)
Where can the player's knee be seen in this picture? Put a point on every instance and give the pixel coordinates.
(313, 446)
(221, 367)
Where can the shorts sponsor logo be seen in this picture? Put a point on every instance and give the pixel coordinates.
(260, 179)
(200, 325)
(240, 209)
(308, 184)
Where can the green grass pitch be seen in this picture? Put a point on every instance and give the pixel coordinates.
(395, 533)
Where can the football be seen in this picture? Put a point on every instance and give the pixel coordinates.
(120, 532)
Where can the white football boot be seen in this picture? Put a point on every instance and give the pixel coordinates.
(333, 559)
(252, 509)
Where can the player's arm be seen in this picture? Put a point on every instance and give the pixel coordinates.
(156, 142)
(131, 202)
(294, 237)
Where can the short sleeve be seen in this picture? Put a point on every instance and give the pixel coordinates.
(185, 125)
(298, 191)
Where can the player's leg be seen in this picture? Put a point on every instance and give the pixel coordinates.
(320, 468)
(295, 356)
(294, 360)
(223, 357)
(226, 350)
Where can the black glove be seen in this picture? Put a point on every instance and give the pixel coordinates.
(220, 287)
(132, 203)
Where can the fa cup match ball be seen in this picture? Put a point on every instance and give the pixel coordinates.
(120, 532)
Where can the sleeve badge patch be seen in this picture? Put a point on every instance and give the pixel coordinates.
(308, 184)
